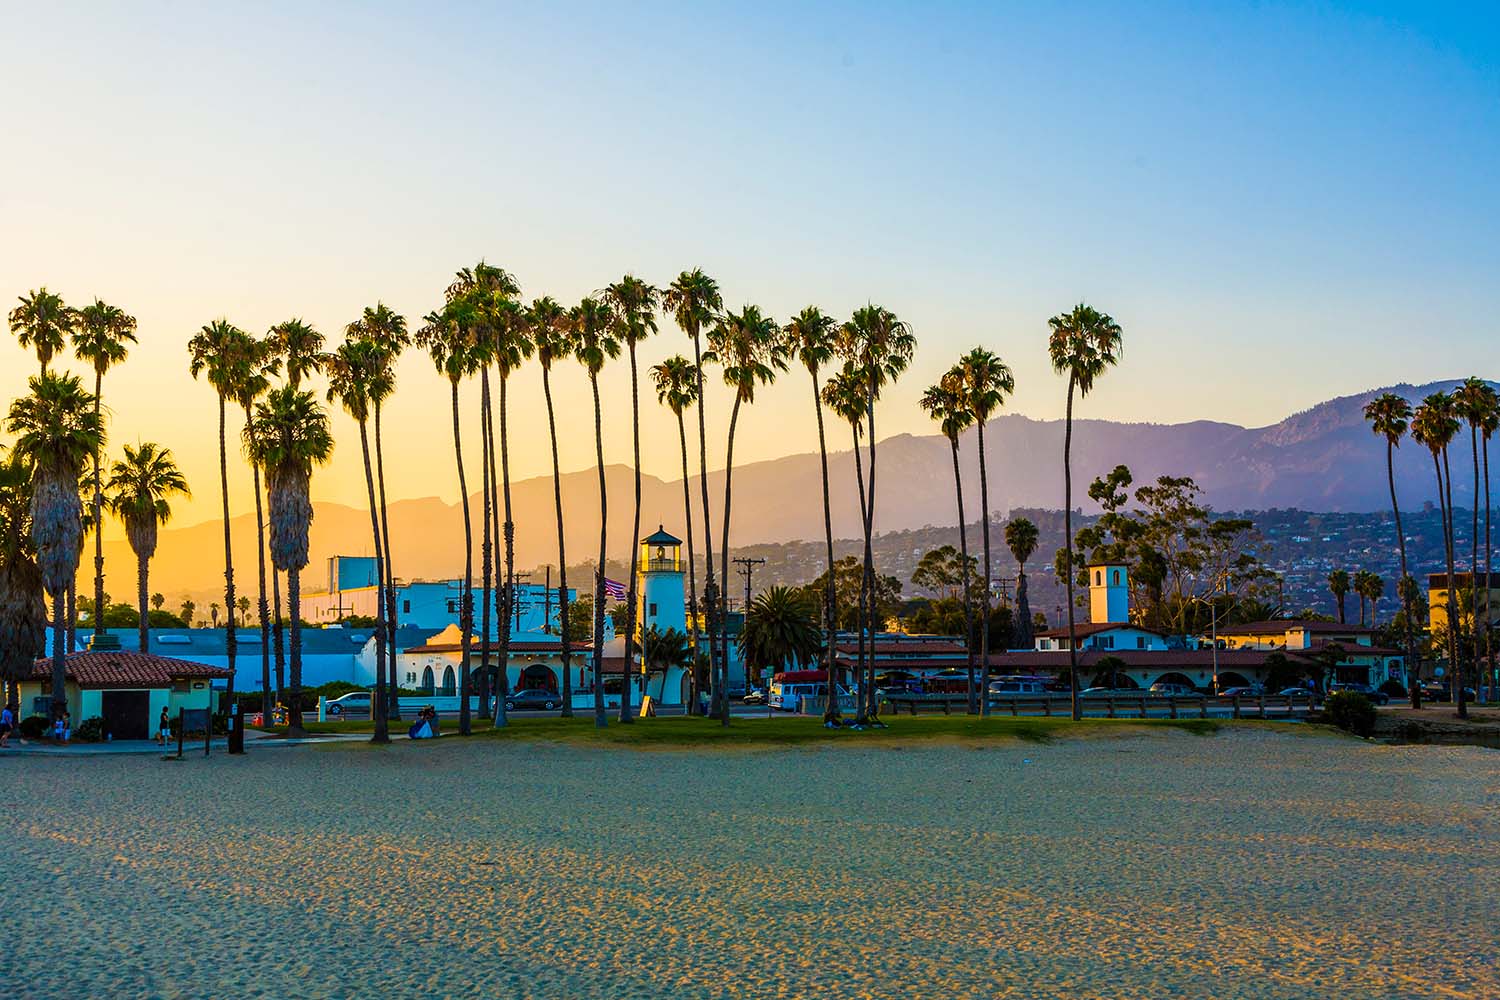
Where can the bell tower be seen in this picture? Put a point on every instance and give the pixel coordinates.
(663, 597)
(1109, 594)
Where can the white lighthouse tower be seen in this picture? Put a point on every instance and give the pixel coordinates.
(663, 597)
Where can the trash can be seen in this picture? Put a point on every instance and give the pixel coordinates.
(236, 729)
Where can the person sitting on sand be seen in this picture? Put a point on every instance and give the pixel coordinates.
(7, 723)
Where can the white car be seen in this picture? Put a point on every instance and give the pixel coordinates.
(1169, 690)
(355, 703)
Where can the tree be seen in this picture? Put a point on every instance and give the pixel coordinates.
(694, 301)
(1369, 586)
(946, 403)
(1021, 538)
(300, 346)
(1433, 426)
(1083, 345)
(42, 322)
(23, 603)
(1390, 416)
(811, 339)
(291, 437)
(749, 347)
(594, 344)
(632, 304)
(664, 650)
(57, 430)
(1476, 404)
(100, 338)
(250, 365)
(781, 628)
(676, 382)
(851, 594)
(552, 336)
(212, 352)
(1339, 585)
(186, 611)
(877, 347)
(844, 395)
(351, 368)
(244, 606)
(140, 491)
(213, 611)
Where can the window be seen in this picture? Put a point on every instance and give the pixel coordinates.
(406, 607)
(651, 610)
(427, 679)
(1115, 578)
(450, 683)
(1140, 642)
(1098, 578)
(453, 607)
(1107, 641)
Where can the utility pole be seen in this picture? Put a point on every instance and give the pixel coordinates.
(747, 570)
(547, 603)
(516, 578)
(1003, 585)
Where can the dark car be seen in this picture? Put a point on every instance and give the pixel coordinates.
(1442, 692)
(532, 700)
(1376, 695)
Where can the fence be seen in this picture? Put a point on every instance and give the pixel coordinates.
(1120, 706)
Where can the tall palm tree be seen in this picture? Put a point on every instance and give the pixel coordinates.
(694, 301)
(101, 338)
(633, 304)
(1474, 402)
(251, 364)
(879, 347)
(1433, 426)
(57, 429)
(781, 628)
(749, 346)
(594, 344)
(1338, 585)
(140, 491)
(1390, 416)
(213, 352)
(42, 322)
(351, 368)
(1487, 428)
(1361, 588)
(448, 338)
(1083, 345)
(290, 436)
(385, 329)
(811, 339)
(946, 404)
(1021, 537)
(676, 384)
(552, 336)
(300, 347)
(987, 381)
(844, 396)
(23, 604)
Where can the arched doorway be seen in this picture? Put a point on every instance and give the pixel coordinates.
(537, 677)
(1233, 680)
(450, 683)
(1176, 678)
(427, 683)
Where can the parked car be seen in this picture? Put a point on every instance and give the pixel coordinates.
(531, 700)
(355, 703)
(1442, 692)
(1097, 692)
(1167, 689)
(1374, 694)
(1243, 691)
(755, 696)
(1297, 692)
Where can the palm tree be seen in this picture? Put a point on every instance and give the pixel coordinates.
(23, 604)
(843, 394)
(665, 650)
(213, 613)
(945, 403)
(1475, 403)
(448, 338)
(251, 363)
(811, 338)
(58, 429)
(694, 301)
(1021, 538)
(1084, 343)
(186, 610)
(749, 346)
(676, 383)
(300, 346)
(290, 435)
(212, 352)
(1433, 426)
(351, 368)
(594, 344)
(1487, 428)
(632, 304)
(42, 322)
(140, 492)
(1389, 416)
(1338, 585)
(1361, 588)
(387, 331)
(100, 338)
(552, 336)
(987, 381)
(878, 346)
(781, 627)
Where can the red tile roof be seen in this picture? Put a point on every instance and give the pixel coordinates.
(1175, 659)
(119, 669)
(890, 647)
(1083, 631)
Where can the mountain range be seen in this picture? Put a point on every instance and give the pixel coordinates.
(1322, 459)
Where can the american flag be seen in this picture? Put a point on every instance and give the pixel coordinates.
(614, 591)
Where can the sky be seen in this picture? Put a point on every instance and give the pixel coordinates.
(1279, 202)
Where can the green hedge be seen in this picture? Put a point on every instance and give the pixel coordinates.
(1351, 712)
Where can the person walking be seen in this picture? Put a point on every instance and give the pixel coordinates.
(7, 723)
(163, 728)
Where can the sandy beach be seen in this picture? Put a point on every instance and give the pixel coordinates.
(1234, 866)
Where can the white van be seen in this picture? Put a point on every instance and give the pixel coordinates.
(787, 697)
(1011, 686)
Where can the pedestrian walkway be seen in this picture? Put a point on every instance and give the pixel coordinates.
(253, 738)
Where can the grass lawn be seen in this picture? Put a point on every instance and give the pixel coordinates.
(679, 731)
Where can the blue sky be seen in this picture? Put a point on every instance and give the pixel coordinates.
(1279, 202)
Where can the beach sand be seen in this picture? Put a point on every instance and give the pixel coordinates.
(1245, 864)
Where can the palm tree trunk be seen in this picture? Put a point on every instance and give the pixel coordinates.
(562, 559)
(710, 597)
(294, 693)
(601, 719)
(229, 637)
(278, 633)
(378, 702)
(388, 584)
(873, 612)
(507, 588)
(486, 470)
(734, 416)
(99, 514)
(466, 595)
(692, 617)
(1077, 707)
(142, 590)
(963, 547)
(1489, 632)
(1450, 594)
(73, 606)
(635, 546)
(1474, 561)
(59, 657)
(830, 599)
(265, 615)
(984, 591)
(861, 713)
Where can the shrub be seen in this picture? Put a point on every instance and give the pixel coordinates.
(1394, 688)
(1350, 711)
(33, 726)
(90, 730)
